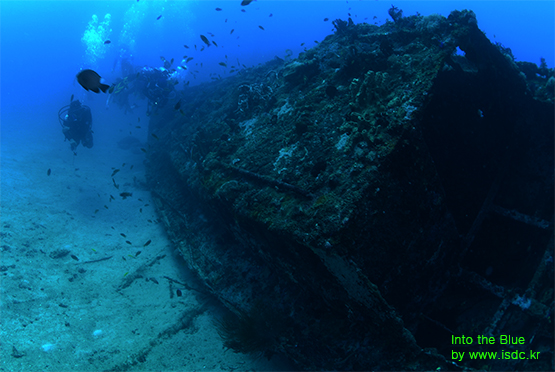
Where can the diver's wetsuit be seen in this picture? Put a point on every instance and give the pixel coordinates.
(77, 127)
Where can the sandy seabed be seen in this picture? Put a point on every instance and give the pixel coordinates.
(61, 312)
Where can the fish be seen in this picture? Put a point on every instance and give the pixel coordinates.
(125, 195)
(231, 32)
(115, 184)
(218, 9)
(188, 59)
(179, 293)
(177, 105)
(205, 40)
(96, 211)
(160, 16)
(137, 126)
(270, 15)
(222, 64)
(49, 172)
(154, 280)
(74, 257)
(246, 2)
(147, 243)
(122, 234)
(326, 19)
(302, 44)
(243, 10)
(128, 242)
(186, 46)
(213, 42)
(114, 172)
(155, 136)
(107, 42)
(112, 198)
(260, 27)
(90, 80)
(138, 253)
(71, 99)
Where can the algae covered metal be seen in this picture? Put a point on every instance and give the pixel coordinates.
(330, 201)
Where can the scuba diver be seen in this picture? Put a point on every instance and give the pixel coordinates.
(76, 121)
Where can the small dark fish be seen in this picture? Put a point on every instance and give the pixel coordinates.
(213, 42)
(141, 210)
(96, 211)
(90, 80)
(222, 64)
(128, 242)
(131, 167)
(186, 46)
(125, 195)
(177, 105)
(112, 198)
(179, 293)
(107, 42)
(74, 257)
(105, 206)
(270, 15)
(218, 9)
(246, 2)
(115, 184)
(139, 119)
(71, 99)
(138, 253)
(155, 136)
(114, 172)
(138, 126)
(154, 280)
(147, 243)
(205, 40)
(49, 172)
(122, 234)
(159, 17)
(231, 32)
(326, 19)
(260, 27)
(188, 59)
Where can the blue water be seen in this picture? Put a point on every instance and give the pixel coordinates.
(45, 43)
(53, 199)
